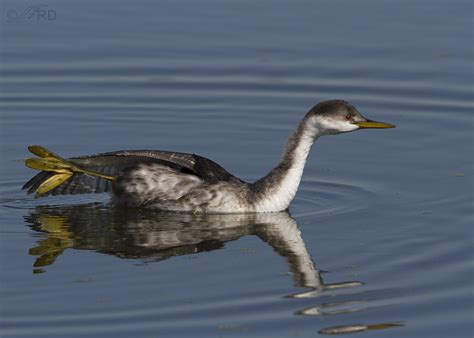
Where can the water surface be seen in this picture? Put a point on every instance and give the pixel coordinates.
(379, 238)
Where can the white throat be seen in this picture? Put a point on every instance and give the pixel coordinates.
(282, 182)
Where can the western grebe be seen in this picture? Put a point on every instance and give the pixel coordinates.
(192, 183)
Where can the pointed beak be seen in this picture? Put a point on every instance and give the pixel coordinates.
(373, 124)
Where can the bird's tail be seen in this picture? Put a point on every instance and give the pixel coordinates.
(61, 168)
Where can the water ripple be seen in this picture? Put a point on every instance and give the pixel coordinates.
(323, 198)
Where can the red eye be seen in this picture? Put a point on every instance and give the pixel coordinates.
(348, 117)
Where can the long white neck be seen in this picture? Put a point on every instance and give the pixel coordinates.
(275, 191)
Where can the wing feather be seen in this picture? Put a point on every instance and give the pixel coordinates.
(114, 163)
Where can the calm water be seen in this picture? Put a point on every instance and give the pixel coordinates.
(379, 239)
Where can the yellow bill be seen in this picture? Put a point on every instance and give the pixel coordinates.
(374, 124)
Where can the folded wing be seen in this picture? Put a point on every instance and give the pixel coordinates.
(114, 163)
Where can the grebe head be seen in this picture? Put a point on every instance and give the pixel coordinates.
(338, 116)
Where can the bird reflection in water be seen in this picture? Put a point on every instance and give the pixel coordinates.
(150, 236)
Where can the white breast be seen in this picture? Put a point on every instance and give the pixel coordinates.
(283, 194)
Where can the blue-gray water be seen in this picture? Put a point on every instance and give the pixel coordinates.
(380, 237)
